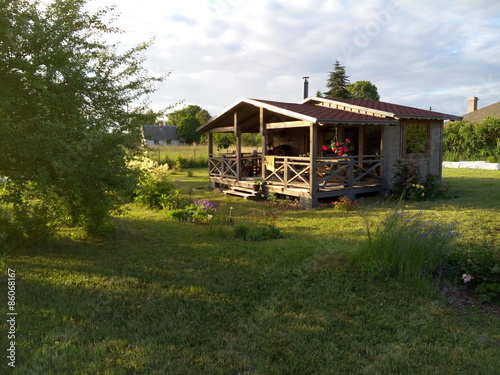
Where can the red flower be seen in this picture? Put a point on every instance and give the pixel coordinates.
(324, 147)
(348, 140)
(338, 144)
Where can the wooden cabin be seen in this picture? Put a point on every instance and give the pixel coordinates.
(297, 139)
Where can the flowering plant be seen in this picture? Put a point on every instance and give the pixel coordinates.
(340, 148)
(345, 204)
(224, 142)
(203, 211)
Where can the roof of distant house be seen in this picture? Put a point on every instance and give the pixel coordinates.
(478, 115)
(160, 133)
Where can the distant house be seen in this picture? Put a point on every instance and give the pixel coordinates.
(161, 135)
(477, 115)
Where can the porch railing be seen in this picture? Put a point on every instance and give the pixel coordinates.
(291, 172)
(349, 172)
(225, 166)
(288, 171)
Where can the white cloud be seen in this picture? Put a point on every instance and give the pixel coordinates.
(421, 54)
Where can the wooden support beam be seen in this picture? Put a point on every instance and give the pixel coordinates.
(288, 124)
(227, 129)
(263, 133)
(237, 133)
(210, 144)
(313, 155)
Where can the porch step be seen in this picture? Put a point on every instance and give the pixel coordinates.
(246, 193)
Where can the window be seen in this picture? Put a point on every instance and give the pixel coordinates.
(417, 138)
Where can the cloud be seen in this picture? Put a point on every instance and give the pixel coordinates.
(423, 54)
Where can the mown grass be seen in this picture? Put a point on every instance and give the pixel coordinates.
(163, 297)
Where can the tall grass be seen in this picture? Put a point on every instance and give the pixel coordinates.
(186, 156)
(405, 247)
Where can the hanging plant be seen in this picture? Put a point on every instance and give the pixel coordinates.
(340, 148)
(223, 143)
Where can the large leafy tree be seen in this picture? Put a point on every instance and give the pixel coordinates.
(363, 90)
(187, 120)
(66, 111)
(337, 82)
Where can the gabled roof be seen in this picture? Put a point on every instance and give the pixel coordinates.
(160, 133)
(492, 110)
(317, 110)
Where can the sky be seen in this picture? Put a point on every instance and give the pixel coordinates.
(425, 54)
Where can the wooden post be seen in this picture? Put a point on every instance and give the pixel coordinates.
(210, 145)
(237, 133)
(263, 133)
(285, 172)
(313, 156)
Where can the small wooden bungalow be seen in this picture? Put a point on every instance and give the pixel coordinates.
(305, 146)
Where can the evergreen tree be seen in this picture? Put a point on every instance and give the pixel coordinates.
(337, 83)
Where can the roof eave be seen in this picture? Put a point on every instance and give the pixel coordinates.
(425, 117)
(357, 122)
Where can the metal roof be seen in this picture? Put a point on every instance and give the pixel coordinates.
(316, 110)
(388, 109)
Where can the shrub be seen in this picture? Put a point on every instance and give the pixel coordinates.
(465, 140)
(479, 268)
(404, 247)
(406, 178)
(345, 204)
(241, 231)
(409, 185)
(201, 212)
(152, 189)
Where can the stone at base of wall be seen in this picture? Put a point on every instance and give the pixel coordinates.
(472, 165)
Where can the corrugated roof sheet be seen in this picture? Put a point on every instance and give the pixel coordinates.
(326, 114)
(398, 110)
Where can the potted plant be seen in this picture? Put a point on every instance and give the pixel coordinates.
(257, 184)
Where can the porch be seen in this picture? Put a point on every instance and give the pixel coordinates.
(291, 175)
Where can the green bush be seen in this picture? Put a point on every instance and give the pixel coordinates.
(152, 189)
(201, 212)
(241, 231)
(465, 140)
(408, 183)
(405, 248)
(479, 268)
(406, 178)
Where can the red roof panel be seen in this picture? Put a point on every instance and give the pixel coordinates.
(325, 113)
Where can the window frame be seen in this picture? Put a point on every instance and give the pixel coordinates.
(406, 125)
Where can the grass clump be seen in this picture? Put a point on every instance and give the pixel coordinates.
(405, 247)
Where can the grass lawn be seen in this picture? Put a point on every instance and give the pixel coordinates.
(163, 297)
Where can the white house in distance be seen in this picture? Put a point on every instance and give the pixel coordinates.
(161, 135)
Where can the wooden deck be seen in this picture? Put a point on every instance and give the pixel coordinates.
(288, 175)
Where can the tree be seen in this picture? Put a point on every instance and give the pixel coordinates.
(66, 111)
(337, 83)
(187, 120)
(363, 90)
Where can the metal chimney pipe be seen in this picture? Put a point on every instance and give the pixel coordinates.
(306, 87)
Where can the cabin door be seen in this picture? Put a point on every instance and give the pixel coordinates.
(353, 134)
(364, 140)
(372, 140)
